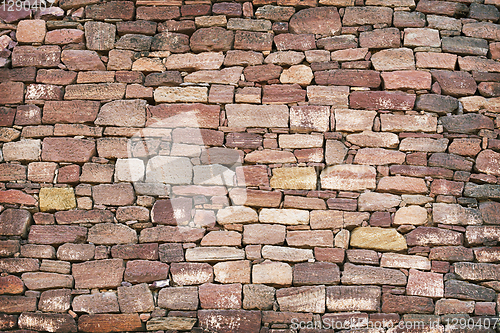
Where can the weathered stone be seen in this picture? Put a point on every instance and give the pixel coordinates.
(278, 253)
(455, 214)
(284, 216)
(193, 62)
(82, 60)
(300, 74)
(221, 238)
(113, 10)
(488, 161)
(272, 273)
(113, 194)
(354, 274)
(406, 304)
(321, 21)
(453, 306)
(417, 80)
(469, 291)
(171, 323)
(251, 40)
(106, 273)
(137, 298)
(379, 156)
(374, 139)
(284, 93)
(264, 234)
(246, 115)
(17, 304)
(41, 57)
(482, 191)
(378, 239)
(100, 323)
(230, 321)
(376, 100)
(380, 38)
(335, 152)
(178, 298)
(310, 239)
(348, 77)
(424, 144)
(348, 177)
(450, 161)
(11, 284)
(209, 254)
(186, 274)
(64, 36)
(75, 252)
(220, 296)
(367, 16)
(476, 271)
(258, 297)
(14, 222)
(58, 300)
(42, 281)
(394, 260)
(447, 79)
(315, 273)
(110, 233)
(57, 323)
(353, 298)
(123, 113)
(302, 299)
(425, 236)
(403, 123)
(425, 284)
(436, 60)
(171, 234)
(394, 59)
(373, 201)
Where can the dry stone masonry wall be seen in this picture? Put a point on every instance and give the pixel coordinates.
(263, 166)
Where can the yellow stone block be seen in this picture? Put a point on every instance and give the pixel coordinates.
(301, 178)
(56, 198)
(380, 239)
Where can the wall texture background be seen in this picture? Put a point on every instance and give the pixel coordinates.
(243, 166)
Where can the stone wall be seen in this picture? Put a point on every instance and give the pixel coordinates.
(250, 166)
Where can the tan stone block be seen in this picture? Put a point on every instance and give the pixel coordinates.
(379, 239)
(301, 178)
(284, 216)
(396, 260)
(289, 254)
(374, 139)
(436, 60)
(393, 59)
(408, 123)
(181, 94)
(195, 62)
(336, 96)
(300, 74)
(31, 31)
(402, 185)
(354, 120)
(414, 215)
(55, 198)
(272, 273)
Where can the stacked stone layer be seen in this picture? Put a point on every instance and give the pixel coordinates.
(170, 165)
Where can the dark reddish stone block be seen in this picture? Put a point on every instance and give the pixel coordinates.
(7, 321)
(69, 174)
(324, 66)
(450, 161)
(406, 304)
(184, 27)
(17, 304)
(195, 10)
(262, 73)
(124, 10)
(380, 38)
(101, 323)
(12, 172)
(451, 253)
(447, 187)
(283, 94)
(443, 8)
(252, 175)
(57, 234)
(11, 16)
(489, 89)
(436, 103)
(302, 42)
(348, 77)
(84, 216)
(11, 284)
(489, 211)
(230, 321)
(456, 84)
(171, 252)
(380, 219)
(145, 271)
(17, 197)
(135, 251)
(243, 140)
(381, 100)
(14, 222)
(28, 115)
(41, 56)
(212, 39)
(425, 236)
(160, 13)
(315, 273)
(11, 92)
(335, 255)
(23, 74)
(486, 76)
(230, 9)
(167, 78)
(7, 116)
(337, 43)
(142, 27)
(68, 112)
(440, 267)
(342, 204)
(220, 296)
(252, 40)
(175, 211)
(8, 247)
(468, 291)
(320, 20)
(67, 150)
(129, 77)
